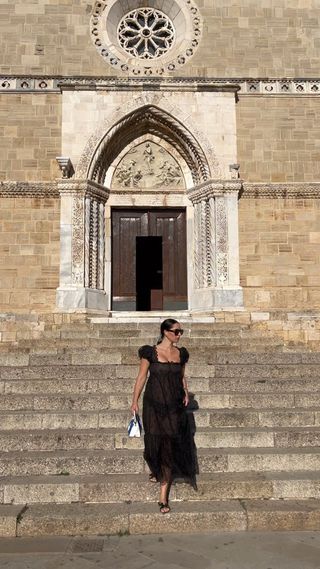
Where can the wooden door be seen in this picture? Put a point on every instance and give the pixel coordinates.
(167, 224)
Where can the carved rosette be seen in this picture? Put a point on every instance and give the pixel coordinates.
(211, 249)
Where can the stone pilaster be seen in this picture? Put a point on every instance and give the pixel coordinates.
(216, 246)
(82, 262)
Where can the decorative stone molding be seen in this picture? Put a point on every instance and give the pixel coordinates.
(216, 246)
(244, 86)
(304, 190)
(83, 188)
(103, 147)
(29, 189)
(82, 230)
(113, 22)
(214, 188)
(65, 166)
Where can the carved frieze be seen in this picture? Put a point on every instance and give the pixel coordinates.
(306, 190)
(246, 87)
(12, 189)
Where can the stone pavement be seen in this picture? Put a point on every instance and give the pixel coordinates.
(277, 550)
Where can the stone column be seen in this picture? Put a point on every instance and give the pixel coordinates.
(216, 246)
(82, 247)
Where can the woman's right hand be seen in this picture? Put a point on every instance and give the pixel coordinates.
(134, 408)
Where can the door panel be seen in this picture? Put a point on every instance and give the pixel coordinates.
(170, 225)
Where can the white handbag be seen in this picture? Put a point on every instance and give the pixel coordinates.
(135, 427)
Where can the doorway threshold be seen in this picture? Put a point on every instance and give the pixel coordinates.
(118, 317)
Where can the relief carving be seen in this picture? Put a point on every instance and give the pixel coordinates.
(77, 240)
(148, 165)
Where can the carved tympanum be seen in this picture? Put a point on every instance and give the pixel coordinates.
(148, 165)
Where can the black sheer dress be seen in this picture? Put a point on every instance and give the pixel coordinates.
(169, 448)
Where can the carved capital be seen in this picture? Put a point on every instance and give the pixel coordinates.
(83, 188)
(213, 189)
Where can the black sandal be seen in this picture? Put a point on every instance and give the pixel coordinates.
(152, 479)
(165, 507)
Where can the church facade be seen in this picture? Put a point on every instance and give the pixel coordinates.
(160, 155)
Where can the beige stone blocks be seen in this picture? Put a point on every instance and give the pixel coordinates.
(31, 136)
(279, 253)
(29, 253)
(278, 139)
(240, 38)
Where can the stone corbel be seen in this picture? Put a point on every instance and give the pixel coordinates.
(65, 166)
(82, 249)
(216, 245)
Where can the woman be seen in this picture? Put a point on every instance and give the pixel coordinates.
(169, 450)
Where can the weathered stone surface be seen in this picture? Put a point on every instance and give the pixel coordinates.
(60, 439)
(72, 462)
(191, 517)
(283, 515)
(8, 520)
(286, 418)
(74, 519)
(33, 492)
(274, 371)
(274, 460)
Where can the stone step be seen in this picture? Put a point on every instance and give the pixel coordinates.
(143, 518)
(111, 488)
(112, 439)
(99, 400)
(105, 419)
(82, 462)
(87, 369)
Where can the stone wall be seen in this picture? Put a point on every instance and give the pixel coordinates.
(280, 253)
(240, 38)
(30, 140)
(278, 139)
(29, 253)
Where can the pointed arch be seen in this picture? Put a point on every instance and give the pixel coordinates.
(148, 119)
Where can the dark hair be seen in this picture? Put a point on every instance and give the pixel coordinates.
(166, 325)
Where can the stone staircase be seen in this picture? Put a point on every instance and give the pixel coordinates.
(68, 468)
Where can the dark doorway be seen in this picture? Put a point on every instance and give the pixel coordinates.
(149, 282)
(144, 243)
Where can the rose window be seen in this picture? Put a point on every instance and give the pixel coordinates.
(146, 33)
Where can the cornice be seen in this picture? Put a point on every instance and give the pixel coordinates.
(241, 85)
(213, 189)
(304, 190)
(13, 189)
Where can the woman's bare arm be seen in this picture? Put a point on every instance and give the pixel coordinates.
(185, 386)
(139, 384)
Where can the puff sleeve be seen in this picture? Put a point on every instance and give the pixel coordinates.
(184, 355)
(146, 353)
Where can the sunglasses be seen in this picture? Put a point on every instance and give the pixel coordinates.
(177, 331)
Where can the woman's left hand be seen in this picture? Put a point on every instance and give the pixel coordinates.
(186, 400)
